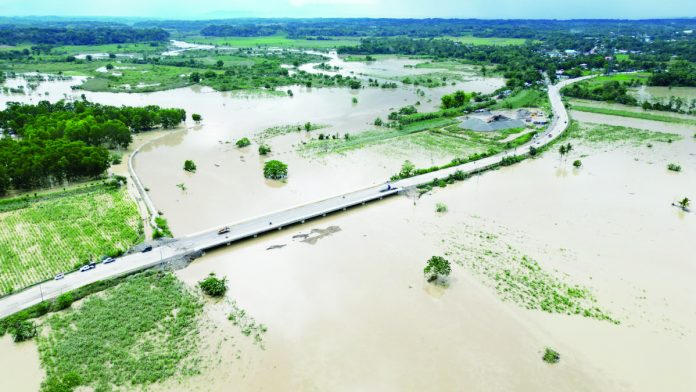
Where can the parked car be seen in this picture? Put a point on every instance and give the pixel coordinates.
(147, 249)
(108, 260)
(59, 276)
(224, 230)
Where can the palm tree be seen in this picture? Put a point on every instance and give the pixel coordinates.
(684, 203)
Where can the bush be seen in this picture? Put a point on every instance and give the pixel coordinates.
(532, 151)
(196, 117)
(437, 268)
(275, 170)
(264, 149)
(243, 142)
(551, 356)
(22, 330)
(213, 286)
(378, 122)
(63, 301)
(190, 166)
(674, 167)
(577, 163)
(441, 207)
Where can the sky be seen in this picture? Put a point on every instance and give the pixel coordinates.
(487, 9)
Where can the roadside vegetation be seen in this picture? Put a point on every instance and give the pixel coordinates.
(59, 231)
(143, 331)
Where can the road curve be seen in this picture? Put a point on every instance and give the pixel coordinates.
(275, 221)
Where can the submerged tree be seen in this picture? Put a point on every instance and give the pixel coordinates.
(275, 170)
(437, 268)
(684, 203)
(189, 166)
(213, 286)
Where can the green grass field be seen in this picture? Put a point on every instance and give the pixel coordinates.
(61, 230)
(640, 76)
(632, 114)
(523, 99)
(280, 41)
(143, 331)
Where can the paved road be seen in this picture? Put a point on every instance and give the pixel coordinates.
(275, 221)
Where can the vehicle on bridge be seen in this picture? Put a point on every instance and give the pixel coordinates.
(59, 276)
(147, 249)
(108, 260)
(224, 230)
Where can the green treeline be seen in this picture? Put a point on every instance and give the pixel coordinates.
(678, 73)
(49, 143)
(13, 35)
(612, 91)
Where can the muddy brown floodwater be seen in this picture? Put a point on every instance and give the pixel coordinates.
(352, 311)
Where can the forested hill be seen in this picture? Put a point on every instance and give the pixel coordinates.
(13, 35)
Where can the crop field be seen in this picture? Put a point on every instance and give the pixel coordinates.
(140, 332)
(624, 77)
(60, 231)
(279, 41)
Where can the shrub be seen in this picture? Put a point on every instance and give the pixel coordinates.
(213, 286)
(437, 268)
(275, 170)
(243, 142)
(190, 166)
(674, 167)
(441, 207)
(355, 100)
(63, 301)
(22, 330)
(196, 117)
(532, 151)
(378, 122)
(551, 356)
(264, 149)
(577, 163)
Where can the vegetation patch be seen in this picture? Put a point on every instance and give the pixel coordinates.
(61, 232)
(551, 356)
(286, 129)
(519, 278)
(138, 333)
(213, 286)
(600, 133)
(247, 324)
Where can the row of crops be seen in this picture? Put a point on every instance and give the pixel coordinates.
(57, 235)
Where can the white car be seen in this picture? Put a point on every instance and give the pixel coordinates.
(108, 260)
(59, 276)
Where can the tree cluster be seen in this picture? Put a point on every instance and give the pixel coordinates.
(55, 142)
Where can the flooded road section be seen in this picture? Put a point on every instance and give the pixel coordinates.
(352, 310)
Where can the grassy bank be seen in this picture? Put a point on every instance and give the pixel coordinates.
(639, 115)
(59, 231)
